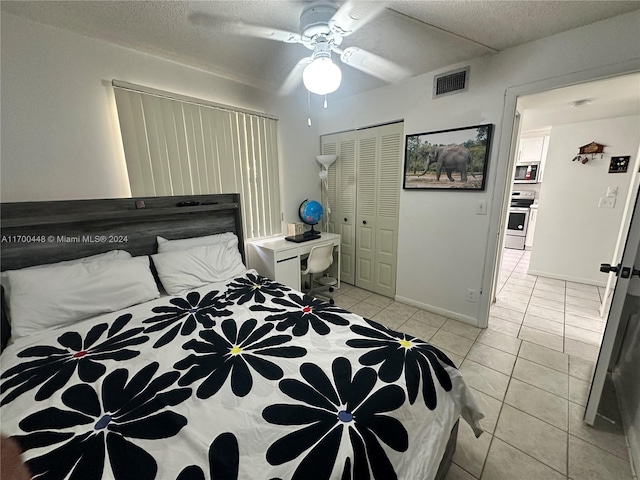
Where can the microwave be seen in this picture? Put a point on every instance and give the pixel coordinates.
(527, 172)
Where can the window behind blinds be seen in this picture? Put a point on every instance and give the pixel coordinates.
(178, 146)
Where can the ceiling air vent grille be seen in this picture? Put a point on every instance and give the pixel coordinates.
(452, 82)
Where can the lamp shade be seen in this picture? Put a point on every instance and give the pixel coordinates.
(322, 76)
(326, 160)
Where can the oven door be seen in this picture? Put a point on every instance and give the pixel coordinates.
(517, 223)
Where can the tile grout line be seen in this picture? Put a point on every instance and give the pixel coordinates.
(567, 431)
(498, 420)
(504, 400)
(484, 463)
(525, 311)
(569, 401)
(564, 348)
(475, 341)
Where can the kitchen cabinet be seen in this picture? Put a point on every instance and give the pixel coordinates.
(531, 226)
(533, 148)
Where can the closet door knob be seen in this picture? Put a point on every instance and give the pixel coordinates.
(345, 219)
(364, 222)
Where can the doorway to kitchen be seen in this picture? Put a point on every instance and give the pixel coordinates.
(571, 216)
(549, 294)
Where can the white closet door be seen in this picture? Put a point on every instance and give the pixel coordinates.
(364, 197)
(389, 167)
(366, 209)
(345, 219)
(342, 197)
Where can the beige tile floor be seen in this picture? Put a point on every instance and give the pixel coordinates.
(530, 372)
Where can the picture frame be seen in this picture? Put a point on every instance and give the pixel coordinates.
(460, 155)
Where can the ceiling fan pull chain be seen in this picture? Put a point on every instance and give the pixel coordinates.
(309, 108)
(325, 101)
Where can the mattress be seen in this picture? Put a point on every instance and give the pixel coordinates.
(244, 379)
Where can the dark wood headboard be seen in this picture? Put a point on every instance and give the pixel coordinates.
(37, 233)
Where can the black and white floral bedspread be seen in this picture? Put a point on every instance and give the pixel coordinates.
(240, 380)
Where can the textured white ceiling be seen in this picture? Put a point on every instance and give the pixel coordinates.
(613, 97)
(419, 35)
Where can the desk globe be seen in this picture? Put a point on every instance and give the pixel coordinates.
(310, 213)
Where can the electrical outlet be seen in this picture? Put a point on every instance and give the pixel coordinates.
(606, 202)
(481, 207)
(472, 295)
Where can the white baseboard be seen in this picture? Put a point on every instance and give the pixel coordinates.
(440, 311)
(568, 278)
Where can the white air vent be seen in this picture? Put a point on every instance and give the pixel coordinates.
(448, 83)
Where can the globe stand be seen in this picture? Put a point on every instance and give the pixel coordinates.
(315, 217)
(311, 216)
(312, 233)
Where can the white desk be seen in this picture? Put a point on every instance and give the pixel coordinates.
(279, 259)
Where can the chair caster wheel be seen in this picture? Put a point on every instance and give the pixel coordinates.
(332, 302)
(331, 289)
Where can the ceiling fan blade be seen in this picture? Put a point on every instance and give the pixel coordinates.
(246, 29)
(373, 64)
(353, 14)
(294, 78)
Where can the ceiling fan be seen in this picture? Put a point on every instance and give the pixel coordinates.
(323, 26)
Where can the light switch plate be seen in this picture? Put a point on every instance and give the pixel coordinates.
(606, 202)
(481, 207)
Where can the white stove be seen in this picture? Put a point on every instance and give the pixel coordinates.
(521, 201)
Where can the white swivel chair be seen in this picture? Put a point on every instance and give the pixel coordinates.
(319, 260)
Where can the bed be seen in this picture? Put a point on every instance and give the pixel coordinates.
(236, 378)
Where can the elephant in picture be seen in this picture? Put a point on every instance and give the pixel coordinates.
(451, 158)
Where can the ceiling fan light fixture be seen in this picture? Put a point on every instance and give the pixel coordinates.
(322, 76)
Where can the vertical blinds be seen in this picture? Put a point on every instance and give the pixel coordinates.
(178, 146)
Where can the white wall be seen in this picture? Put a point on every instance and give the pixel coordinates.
(299, 145)
(60, 132)
(60, 137)
(444, 248)
(573, 235)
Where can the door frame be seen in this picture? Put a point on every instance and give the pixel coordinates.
(506, 201)
(505, 162)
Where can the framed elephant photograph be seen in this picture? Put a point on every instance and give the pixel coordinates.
(453, 159)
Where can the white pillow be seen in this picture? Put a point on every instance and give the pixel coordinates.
(184, 270)
(100, 257)
(59, 295)
(165, 245)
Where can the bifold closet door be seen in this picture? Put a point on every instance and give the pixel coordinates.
(388, 178)
(364, 196)
(342, 197)
(366, 184)
(377, 206)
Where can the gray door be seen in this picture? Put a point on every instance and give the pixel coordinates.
(616, 322)
(626, 358)
(627, 382)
